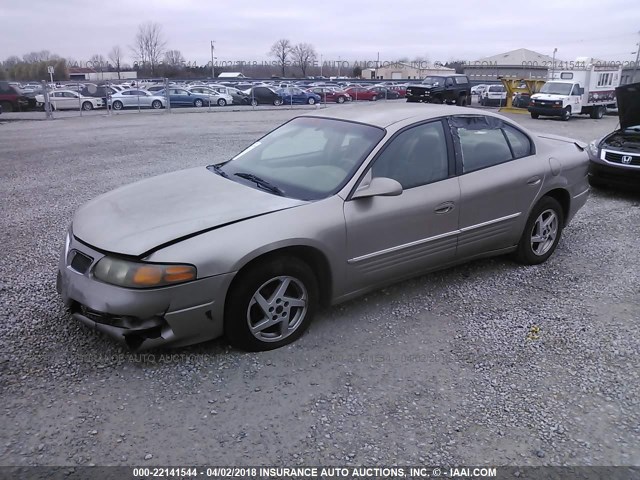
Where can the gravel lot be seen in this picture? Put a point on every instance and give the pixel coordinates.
(490, 363)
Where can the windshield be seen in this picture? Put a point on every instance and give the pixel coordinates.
(307, 158)
(556, 88)
(497, 88)
(434, 80)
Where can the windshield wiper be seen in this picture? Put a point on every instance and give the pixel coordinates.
(218, 169)
(261, 183)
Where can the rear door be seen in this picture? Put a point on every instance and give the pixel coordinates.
(500, 178)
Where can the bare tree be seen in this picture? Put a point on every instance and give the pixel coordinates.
(304, 55)
(149, 45)
(115, 55)
(174, 58)
(281, 50)
(35, 57)
(97, 62)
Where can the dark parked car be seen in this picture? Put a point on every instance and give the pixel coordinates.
(11, 99)
(521, 100)
(264, 95)
(295, 95)
(179, 97)
(615, 158)
(450, 89)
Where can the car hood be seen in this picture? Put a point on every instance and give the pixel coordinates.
(628, 98)
(546, 96)
(137, 218)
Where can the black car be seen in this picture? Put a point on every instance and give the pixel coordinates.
(521, 100)
(264, 95)
(453, 88)
(615, 158)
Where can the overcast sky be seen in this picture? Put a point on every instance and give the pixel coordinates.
(354, 29)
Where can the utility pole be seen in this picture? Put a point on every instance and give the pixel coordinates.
(635, 65)
(213, 71)
(320, 64)
(553, 65)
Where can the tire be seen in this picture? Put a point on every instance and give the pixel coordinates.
(340, 99)
(254, 102)
(374, 98)
(243, 311)
(596, 182)
(462, 101)
(535, 115)
(7, 107)
(156, 104)
(222, 102)
(117, 105)
(311, 101)
(277, 102)
(545, 224)
(87, 106)
(566, 114)
(198, 102)
(597, 113)
(482, 102)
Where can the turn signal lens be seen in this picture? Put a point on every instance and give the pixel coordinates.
(129, 274)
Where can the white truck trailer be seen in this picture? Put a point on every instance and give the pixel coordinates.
(587, 88)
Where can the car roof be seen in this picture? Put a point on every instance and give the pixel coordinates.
(386, 115)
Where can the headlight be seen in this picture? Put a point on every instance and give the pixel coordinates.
(558, 103)
(593, 148)
(141, 275)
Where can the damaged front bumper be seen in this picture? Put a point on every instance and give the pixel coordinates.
(174, 316)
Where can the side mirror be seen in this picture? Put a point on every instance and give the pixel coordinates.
(379, 187)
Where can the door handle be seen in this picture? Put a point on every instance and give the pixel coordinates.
(534, 180)
(444, 207)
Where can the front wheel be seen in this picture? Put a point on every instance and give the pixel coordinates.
(566, 114)
(535, 115)
(340, 100)
(156, 104)
(277, 102)
(254, 102)
(198, 102)
(87, 106)
(311, 101)
(374, 98)
(541, 233)
(271, 304)
(117, 105)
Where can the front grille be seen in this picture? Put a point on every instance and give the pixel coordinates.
(622, 158)
(80, 262)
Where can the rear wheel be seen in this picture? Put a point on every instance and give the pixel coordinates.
(87, 106)
(254, 102)
(462, 101)
(271, 304)
(7, 107)
(277, 102)
(374, 98)
(222, 102)
(156, 104)
(340, 99)
(597, 112)
(311, 101)
(541, 233)
(198, 102)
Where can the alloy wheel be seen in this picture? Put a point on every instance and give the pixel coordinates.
(544, 232)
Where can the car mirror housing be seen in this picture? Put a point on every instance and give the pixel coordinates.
(379, 187)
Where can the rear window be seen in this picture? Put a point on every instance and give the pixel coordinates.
(496, 88)
(460, 80)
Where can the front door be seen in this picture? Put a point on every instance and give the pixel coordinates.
(392, 237)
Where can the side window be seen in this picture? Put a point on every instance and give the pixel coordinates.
(486, 142)
(415, 157)
(449, 82)
(461, 80)
(520, 143)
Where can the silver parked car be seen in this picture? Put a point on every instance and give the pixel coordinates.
(135, 98)
(324, 208)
